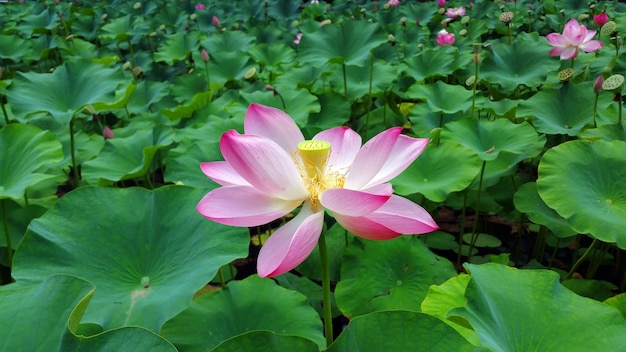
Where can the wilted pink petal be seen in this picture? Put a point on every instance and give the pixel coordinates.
(274, 124)
(298, 37)
(291, 244)
(243, 206)
(264, 164)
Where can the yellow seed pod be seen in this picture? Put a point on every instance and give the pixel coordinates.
(565, 74)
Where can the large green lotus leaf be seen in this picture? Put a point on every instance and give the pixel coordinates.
(25, 154)
(393, 274)
(310, 289)
(272, 55)
(13, 47)
(229, 66)
(400, 331)
(510, 65)
(358, 79)
(146, 95)
(584, 182)
(243, 306)
(227, 43)
(41, 22)
(566, 110)
(489, 138)
(606, 133)
(349, 43)
(178, 47)
(445, 297)
(68, 89)
(619, 302)
(529, 310)
(438, 96)
(147, 252)
(34, 317)
(429, 63)
(124, 158)
(528, 201)
(334, 111)
(266, 341)
(435, 179)
(183, 163)
(18, 219)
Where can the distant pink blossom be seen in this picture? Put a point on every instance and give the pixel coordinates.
(107, 133)
(216, 22)
(297, 40)
(600, 19)
(441, 3)
(574, 37)
(393, 3)
(454, 12)
(271, 170)
(597, 85)
(200, 7)
(205, 55)
(445, 38)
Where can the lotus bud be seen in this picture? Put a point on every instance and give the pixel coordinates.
(104, 17)
(597, 85)
(193, 17)
(250, 73)
(127, 66)
(295, 24)
(107, 133)
(205, 55)
(137, 5)
(470, 81)
(600, 19)
(216, 22)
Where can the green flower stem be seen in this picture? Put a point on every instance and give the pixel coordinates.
(477, 214)
(328, 317)
(474, 86)
(595, 111)
(4, 109)
(345, 80)
(73, 153)
(619, 109)
(462, 229)
(221, 275)
(5, 223)
(581, 259)
(369, 95)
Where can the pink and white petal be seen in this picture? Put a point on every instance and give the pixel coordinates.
(371, 158)
(291, 244)
(355, 203)
(589, 36)
(398, 216)
(569, 53)
(274, 124)
(243, 206)
(345, 145)
(556, 39)
(222, 173)
(264, 164)
(556, 51)
(404, 152)
(591, 46)
(571, 29)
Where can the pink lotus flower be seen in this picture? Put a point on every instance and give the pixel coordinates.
(200, 7)
(454, 12)
(441, 3)
(574, 37)
(107, 133)
(298, 37)
(445, 38)
(271, 170)
(393, 3)
(600, 19)
(216, 22)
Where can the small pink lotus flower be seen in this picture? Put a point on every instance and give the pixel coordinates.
(600, 19)
(597, 85)
(205, 55)
(271, 170)
(574, 37)
(441, 3)
(298, 37)
(454, 12)
(200, 7)
(393, 3)
(216, 22)
(445, 38)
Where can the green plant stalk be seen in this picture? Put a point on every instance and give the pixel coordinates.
(462, 229)
(581, 259)
(619, 107)
(553, 256)
(597, 259)
(328, 317)
(221, 275)
(345, 80)
(595, 111)
(73, 152)
(4, 109)
(510, 33)
(5, 223)
(477, 216)
(474, 88)
(369, 95)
